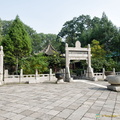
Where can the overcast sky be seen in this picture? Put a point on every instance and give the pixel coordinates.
(48, 16)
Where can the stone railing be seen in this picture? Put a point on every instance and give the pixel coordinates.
(13, 76)
(38, 78)
(99, 76)
(102, 76)
(117, 73)
(30, 78)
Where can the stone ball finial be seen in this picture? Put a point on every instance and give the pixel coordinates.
(77, 44)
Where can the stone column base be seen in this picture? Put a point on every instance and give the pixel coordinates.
(60, 81)
(89, 73)
(114, 87)
(67, 75)
(94, 79)
(1, 83)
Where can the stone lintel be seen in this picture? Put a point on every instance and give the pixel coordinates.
(76, 49)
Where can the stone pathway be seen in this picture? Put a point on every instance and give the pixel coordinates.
(81, 100)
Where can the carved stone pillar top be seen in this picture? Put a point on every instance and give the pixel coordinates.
(78, 44)
(1, 47)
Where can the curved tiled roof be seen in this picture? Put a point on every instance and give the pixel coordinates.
(48, 50)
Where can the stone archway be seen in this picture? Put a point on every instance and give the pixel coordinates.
(78, 53)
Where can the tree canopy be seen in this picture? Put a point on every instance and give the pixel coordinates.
(103, 36)
(97, 50)
(31, 63)
(99, 59)
(0, 31)
(16, 43)
(85, 29)
(21, 42)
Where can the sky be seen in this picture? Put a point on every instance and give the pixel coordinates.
(48, 16)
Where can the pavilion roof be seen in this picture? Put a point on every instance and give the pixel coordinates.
(48, 50)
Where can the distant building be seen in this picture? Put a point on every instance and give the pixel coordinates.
(48, 50)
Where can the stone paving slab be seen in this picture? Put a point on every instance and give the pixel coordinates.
(80, 100)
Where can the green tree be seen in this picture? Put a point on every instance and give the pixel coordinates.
(38, 40)
(99, 59)
(56, 62)
(6, 26)
(97, 50)
(0, 31)
(35, 39)
(77, 29)
(98, 56)
(85, 29)
(17, 42)
(31, 63)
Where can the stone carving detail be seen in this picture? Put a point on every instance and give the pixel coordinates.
(78, 44)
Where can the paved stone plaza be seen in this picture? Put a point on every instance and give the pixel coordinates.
(81, 100)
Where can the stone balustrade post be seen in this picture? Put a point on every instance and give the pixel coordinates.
(104, 77)
(21, 75)
(36, 74)
(114, 71)
(50, 75)
(6, 73)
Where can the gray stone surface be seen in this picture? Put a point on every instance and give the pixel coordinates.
(114, 88)
(114, 79)
(69, 101)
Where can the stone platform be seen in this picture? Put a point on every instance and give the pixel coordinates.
(79, 100)
(114, 87)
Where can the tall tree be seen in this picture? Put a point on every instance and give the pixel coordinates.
(86, 29)
(77, 29)
(0, 31)
(35, 39)
(16, 43)
(6, 26)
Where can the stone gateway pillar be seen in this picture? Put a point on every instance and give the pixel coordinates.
(89, 73)
(67, 71)
(1, 65)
